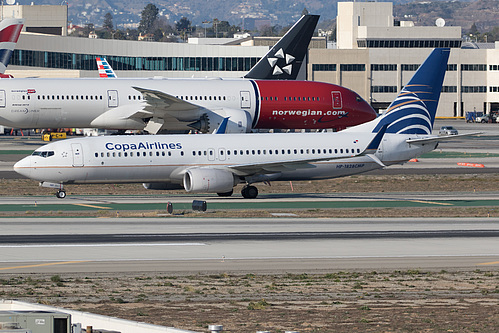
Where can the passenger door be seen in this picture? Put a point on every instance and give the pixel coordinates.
(245, 100)
(112, 98)
(77, 154)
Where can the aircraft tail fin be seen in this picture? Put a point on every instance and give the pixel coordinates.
(105, 70)
(284, 59)
(10, 29)
(414, 109)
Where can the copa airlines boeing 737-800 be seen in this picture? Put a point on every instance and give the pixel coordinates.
(216, 163)
(161, 104)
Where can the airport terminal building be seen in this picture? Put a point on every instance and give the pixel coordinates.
(374, 56)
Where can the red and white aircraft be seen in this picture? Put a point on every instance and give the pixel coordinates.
(163, 104)
(179, 104)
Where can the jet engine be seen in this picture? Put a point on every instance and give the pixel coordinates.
(239, 121)
(208, 180)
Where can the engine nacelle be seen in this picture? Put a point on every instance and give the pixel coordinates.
(162, 186)
(239, 121)
(207, 180)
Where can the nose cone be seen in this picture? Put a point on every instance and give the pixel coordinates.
(364, 111)
(23, 167)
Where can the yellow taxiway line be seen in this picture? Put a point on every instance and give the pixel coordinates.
(47, 264)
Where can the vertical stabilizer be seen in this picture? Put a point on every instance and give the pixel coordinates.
(105, 70)
(284, 59)
(10, 29)
(414, 109)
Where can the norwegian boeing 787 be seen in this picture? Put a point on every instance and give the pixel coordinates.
(216, 163)
(165, 104)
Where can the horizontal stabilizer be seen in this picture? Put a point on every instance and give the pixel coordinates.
(441, 138)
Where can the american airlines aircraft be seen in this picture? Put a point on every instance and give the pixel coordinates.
(10, 29)
(163, 104)
(217, 163)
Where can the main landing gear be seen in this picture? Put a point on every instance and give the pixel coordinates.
(249, 192)
(61, 194)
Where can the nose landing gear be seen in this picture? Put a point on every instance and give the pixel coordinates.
(61, 194)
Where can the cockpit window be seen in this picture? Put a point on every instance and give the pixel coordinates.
(43, 153)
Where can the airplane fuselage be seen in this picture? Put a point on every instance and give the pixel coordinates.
(64, 103)
(166, 158)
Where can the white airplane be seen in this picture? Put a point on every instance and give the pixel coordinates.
(217, 163)
(10, 29)
(156, 104)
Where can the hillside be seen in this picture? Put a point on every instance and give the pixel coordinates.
(279, 12)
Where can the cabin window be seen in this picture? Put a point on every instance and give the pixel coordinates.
(170, 153)
(96, 154)
(162, 153)
(101, 154)
(235, 152)
(301, 151)
(181, 153)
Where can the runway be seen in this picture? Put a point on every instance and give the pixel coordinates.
(279, 244)
(188, 246)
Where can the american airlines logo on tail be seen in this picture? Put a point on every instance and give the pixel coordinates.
(285, 64)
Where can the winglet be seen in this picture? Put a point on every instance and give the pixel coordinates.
(222, 128)
(372, 147)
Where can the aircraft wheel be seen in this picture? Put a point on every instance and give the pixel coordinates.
(226, 194)
(249, 192)
(61, 194)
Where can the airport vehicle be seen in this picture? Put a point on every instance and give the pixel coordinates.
(162, 104)
(216, 163)
(447, 130)
(10, 29)
(485, 118)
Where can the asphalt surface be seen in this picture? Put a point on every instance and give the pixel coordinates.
(58, 245)
(241, 245)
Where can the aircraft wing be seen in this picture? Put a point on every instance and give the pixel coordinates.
(274, 167)
(160, 102)
(164, 108)
(440, 138)
(282, 166)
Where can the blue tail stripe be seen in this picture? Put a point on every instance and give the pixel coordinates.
(392, 118)
(418, 100)
(415, 123)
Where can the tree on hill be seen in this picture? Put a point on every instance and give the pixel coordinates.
(148, 18)
(108, 22)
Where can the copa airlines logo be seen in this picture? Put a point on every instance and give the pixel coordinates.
(287, 58)
(143, 145)
(410, 112)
